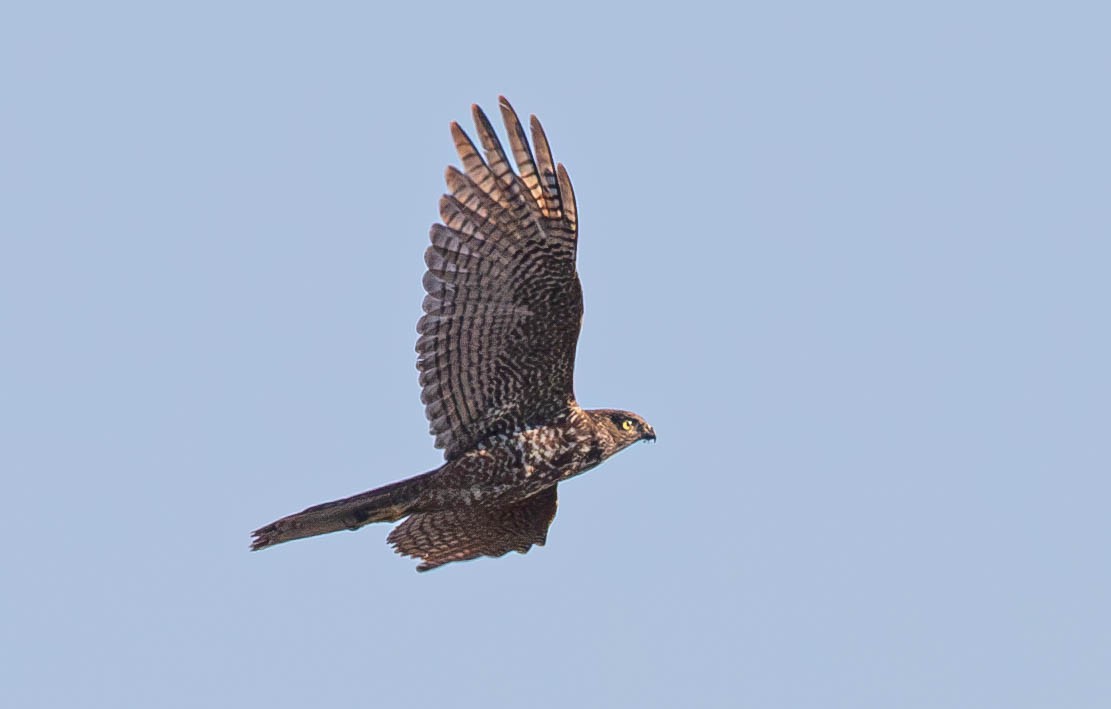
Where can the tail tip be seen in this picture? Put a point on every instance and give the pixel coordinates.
(262, 538)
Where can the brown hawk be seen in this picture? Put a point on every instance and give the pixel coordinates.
(496, 355)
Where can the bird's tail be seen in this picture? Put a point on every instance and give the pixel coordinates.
(385, 504)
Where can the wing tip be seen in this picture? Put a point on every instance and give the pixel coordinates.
(478, 114)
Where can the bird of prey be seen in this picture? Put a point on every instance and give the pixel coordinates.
(496, 354)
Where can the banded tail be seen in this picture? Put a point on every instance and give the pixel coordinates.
(388, 503)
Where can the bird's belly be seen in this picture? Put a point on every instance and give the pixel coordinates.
(510, 470)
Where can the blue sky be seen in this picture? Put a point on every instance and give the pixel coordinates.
(850, 260)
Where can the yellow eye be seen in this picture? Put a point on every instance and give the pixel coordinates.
(627, 425)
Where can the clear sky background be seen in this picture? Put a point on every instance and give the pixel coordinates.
(850, 260)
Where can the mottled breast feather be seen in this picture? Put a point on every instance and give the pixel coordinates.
(504, 305)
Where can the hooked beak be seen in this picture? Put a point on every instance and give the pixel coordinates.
(649, 434)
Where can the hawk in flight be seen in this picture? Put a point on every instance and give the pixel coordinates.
(496, 355)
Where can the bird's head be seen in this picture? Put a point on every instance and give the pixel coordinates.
(624, 428)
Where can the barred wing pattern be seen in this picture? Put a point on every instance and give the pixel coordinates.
(470, 532)
(497, 342)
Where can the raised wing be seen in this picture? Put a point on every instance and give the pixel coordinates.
(470, 532)
(497, 342)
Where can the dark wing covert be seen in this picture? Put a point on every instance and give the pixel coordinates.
(470, 532)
